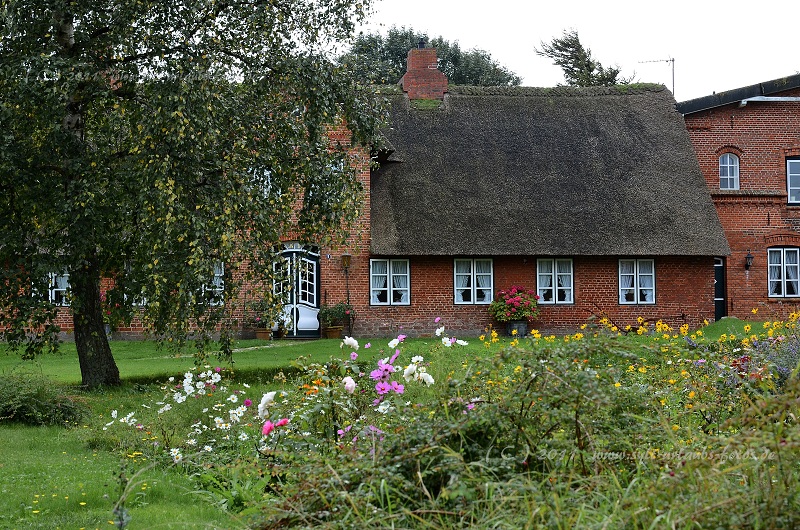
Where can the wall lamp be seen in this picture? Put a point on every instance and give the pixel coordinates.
(748, 261)
(346, 258)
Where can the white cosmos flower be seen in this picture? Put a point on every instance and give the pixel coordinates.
(114, 414)
(393, 343)
(446, 342)
(266, 401)
(384, 407)
(351, 342)
(426, 378)
(349, 384)
(439, 331)
(233, 398)
(408, 373)
(461, 342)
(417, 359)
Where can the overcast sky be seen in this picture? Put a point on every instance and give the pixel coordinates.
(715, 45)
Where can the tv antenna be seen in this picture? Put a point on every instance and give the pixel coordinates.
(670, 60)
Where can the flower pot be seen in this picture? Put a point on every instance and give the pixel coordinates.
(264, 333)
(333, 332)
(520, 326)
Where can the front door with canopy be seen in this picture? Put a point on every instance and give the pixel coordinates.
(297, 283)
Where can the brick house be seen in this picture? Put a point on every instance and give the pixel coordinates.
(747, 142)
(591, 196)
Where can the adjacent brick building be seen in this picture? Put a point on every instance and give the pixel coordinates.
(747, 142)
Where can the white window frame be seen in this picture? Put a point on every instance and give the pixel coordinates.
(642, 282)
(58, 295)
(390, 283)
(555, 286)
(783, 272)
(217, 284)
(466, 282)
(729, 171)
(793, 180)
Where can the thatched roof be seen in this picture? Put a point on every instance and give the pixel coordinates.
(524, 171)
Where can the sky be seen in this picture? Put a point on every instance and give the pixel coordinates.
(716, 46)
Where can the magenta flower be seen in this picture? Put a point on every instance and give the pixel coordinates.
(267, 428)
(368, 345)
(397, 387)
(436, 320)
(247, 402)
(383, 388)
(354, 355)
(281, 422)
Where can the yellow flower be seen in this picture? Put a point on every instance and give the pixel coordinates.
(699, 332)
(481, 338)
(671, 381)
(691, 394)
(642, 369)
(640, 320)
(675, 427)
(513, 332)
(747, 328)
(754, 310)
(617, 384)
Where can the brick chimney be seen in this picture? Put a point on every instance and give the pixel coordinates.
(423, 80)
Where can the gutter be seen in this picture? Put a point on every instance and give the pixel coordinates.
(744, 102)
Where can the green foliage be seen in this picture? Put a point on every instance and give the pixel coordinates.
(382, 59)
(336, 314)
(159, 144)
(32, 399)
(580, 69)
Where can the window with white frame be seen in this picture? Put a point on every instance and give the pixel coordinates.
(784, 272)
(59, 285)
(793, 179)
(637, 281)
(390, 282)
(473, 281)
(729, 172)
(554, 281)
(216, 289)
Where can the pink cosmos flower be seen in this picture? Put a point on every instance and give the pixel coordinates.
(248, 402)
(267, 428)
(354, 355)
(368, 345)
(281, 422)
(383, 388)
(436, 320)
(397, 387)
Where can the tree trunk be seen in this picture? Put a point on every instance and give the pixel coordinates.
(94, 354)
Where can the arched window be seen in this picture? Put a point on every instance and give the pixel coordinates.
(729, 172)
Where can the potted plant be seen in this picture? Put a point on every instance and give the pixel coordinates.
(264, 314)
(332, 318)
(515, 306)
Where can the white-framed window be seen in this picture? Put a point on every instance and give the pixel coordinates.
(729, 172)
(637, 281)
(59, 285)
(554, 281)
(216, 288)
(390, 282)
(793, 179)
(473, 281)
(784, 272)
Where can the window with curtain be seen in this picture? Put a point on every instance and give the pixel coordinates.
(473, 281)
(217, 286)
(59, 285)
(783, 272)
(729, 172)
(637, 281)
(390, 282)
(554, 281)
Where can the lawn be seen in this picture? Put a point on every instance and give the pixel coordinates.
(595, 429)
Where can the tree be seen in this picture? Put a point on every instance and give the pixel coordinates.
(161, 144)
(383, 59)
(577, 63)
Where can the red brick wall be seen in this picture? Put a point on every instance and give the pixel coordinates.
(684, 294)
(762, 135)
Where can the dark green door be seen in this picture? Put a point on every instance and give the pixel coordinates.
(720, 303)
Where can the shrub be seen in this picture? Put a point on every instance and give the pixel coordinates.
(34, 400)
